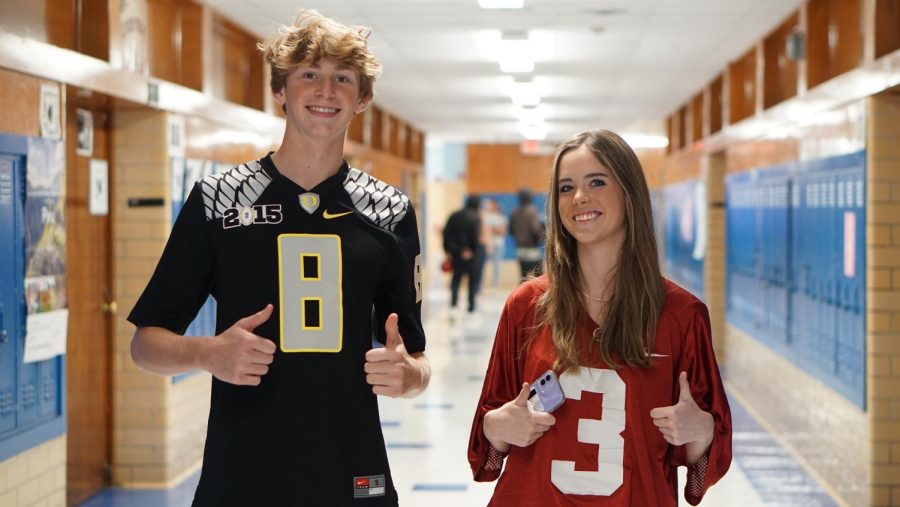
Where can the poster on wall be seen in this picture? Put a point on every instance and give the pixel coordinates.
(46, 295)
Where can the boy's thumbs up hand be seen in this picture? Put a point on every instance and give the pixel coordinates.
(391, 371)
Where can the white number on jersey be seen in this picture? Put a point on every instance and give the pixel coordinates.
(606, 432)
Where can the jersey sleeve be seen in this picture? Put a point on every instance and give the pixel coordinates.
(182, 280)
(699, 361)
(401, 290)
(502, 383)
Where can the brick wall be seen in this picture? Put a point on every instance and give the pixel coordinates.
(36, 476)
(141, 400)
(159, 427)
(883, 297)
(713, 172)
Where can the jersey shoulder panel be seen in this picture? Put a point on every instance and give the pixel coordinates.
(381, 203)
(238, 187)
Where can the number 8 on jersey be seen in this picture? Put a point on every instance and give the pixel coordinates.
(309, 280)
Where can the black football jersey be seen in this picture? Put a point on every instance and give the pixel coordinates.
(334, 261)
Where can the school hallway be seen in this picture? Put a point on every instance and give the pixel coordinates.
(768, 137)
(427, 437)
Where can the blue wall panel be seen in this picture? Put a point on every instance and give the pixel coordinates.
(802, 289)
(685, 234)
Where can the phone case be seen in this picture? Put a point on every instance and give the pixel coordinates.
(546, 393)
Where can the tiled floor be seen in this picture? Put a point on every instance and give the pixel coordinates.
(427, 437)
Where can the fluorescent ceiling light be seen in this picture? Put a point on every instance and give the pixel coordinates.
(639, 140)
(531, 116)
(501, 4)
(524, 93)
(515, 51)
(516, 65)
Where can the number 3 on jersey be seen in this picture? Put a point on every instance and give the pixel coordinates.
(607, 432)
(309, 290)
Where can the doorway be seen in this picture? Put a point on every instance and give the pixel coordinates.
(91, 308)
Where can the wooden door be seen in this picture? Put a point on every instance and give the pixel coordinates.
(88, 357)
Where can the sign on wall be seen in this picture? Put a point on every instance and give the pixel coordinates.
(46, 295)
(98, 193)
(50, 113)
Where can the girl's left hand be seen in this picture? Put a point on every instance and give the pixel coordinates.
(684, 422)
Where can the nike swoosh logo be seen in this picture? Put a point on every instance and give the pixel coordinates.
(328, 216)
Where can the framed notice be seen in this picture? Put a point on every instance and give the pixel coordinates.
(50, 111)
(84, 142)
(98, 193)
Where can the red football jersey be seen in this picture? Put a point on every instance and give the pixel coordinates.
(604, 448)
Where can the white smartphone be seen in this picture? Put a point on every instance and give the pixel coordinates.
(546, 394)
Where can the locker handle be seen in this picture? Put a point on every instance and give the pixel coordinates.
(3, 335)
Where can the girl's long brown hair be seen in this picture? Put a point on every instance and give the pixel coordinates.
(639, 293)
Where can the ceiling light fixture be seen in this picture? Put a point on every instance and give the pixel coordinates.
(515, 52)
(531, 116)
(501, 4)
(524, 93)
(639, 140)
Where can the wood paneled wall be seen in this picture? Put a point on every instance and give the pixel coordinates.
(714, 105)
(833, 37)
(20, 103)
(780, 69)
(237, 66)
(58, 22)
(742, 87)
(695, 118)
(887, 27)
(503, 168)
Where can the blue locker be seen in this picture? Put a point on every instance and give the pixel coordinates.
(32, 400)
(795, 267)
(772, 316)
(742, 294)
(828, 324)
(10, 280)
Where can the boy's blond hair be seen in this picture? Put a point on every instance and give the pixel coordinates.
(312, 38)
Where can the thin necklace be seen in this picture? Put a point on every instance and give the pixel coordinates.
(592, 298)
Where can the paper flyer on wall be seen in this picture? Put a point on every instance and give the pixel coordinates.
(46, 294)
